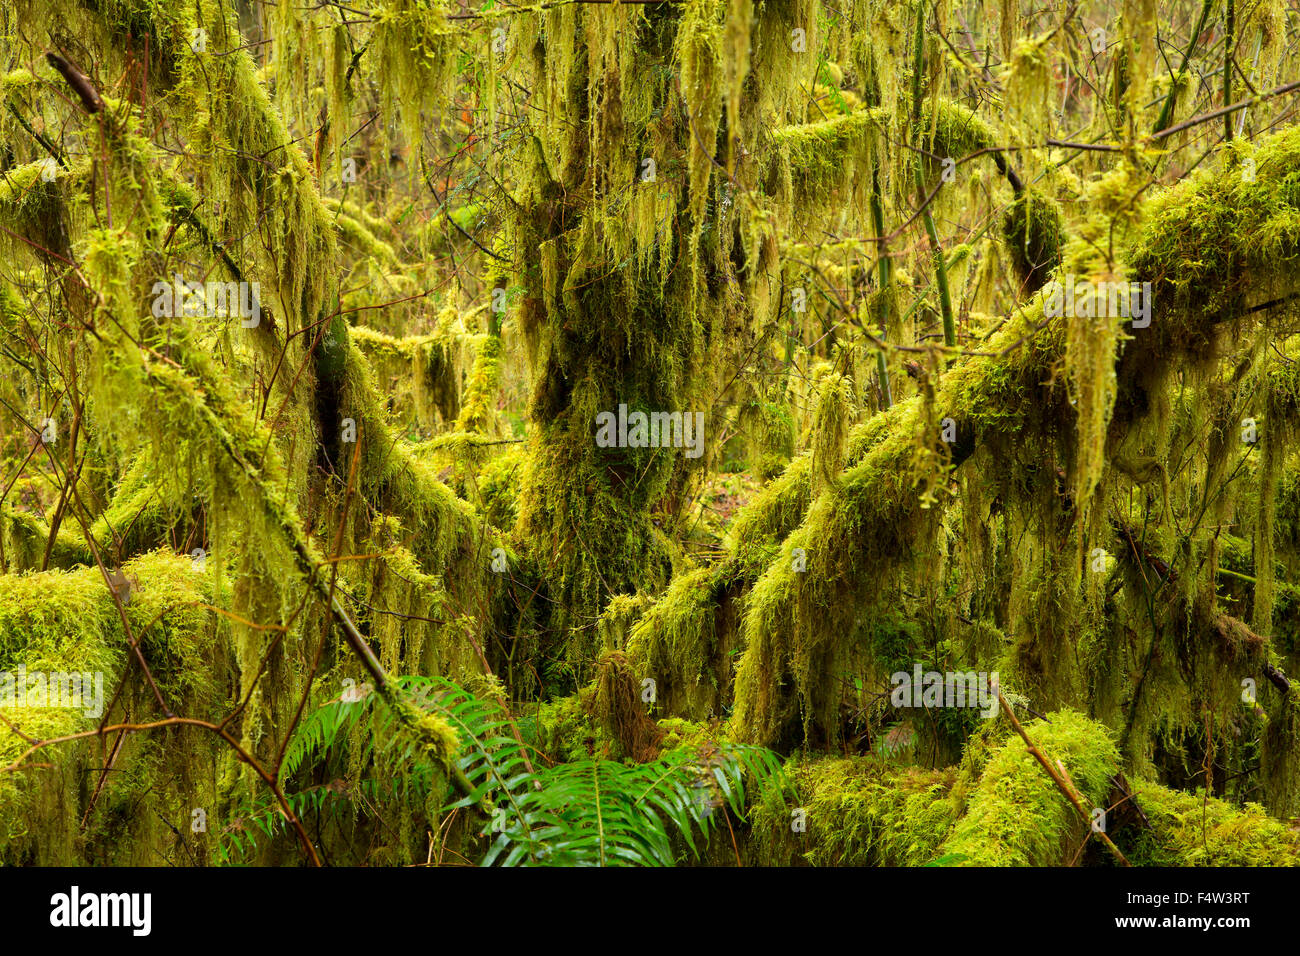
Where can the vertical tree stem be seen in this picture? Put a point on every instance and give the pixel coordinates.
(936, 251)
(1227, 69)
(1167, 111)
(886, 273)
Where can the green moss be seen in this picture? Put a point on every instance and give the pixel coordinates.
(60, 621)
(414, 43)
(17, 80)
(30, 207)
(1017, 816)
(1028, 75)
(498, 488)
(393, 477)
(1191, 829)
(796, 623)
(832, 157)
(423, 371)
(59, 618)
(564, 729)
(763, 524)
(1034, 233)
(948, 129)
(23, 538)
(676, 644)
(680, 733)
(478, 414)
(430, 733)
(1219, 240)
(855, 812)
(855, 558)
(363, 241)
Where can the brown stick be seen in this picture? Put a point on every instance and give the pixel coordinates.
(80, 84)
(1239, 105)
(1277, 678)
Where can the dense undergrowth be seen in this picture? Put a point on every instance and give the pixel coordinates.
(309, 318)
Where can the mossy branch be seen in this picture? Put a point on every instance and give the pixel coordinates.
(866, 528)
(1061, 781)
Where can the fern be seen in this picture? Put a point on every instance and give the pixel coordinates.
(589, 812)
(321, 728)
(319, 732)
(601, 812)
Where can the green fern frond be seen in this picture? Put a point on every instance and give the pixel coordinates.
(589, 812)
(322, 728)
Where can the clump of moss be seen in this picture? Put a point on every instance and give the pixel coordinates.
(68, 621)
(678, 733)
(498, 488)
(431, 734)
(675, 644)
(564, 729)
(23, 538)
(854, 812)
(948, 129)
(1193, 829)
(834, 158)
(1035, 235)
(30, 206)
(1257, 222)
(478, 413)
(620, 708)
(1028, 79)
(1017, 816)
(774, 512)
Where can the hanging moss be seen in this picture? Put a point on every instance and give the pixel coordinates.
(619, 708)
(1280, 757)
(776, 511)
(831, 420)
(699, 50)
(1282, 424)
(30, 206)
(870, 524)
(433, 365)
(415, 46)
(1034, 236)
(677, 645)
(832, 157)
(1028, 76)
(478, 414)
(869, 527)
